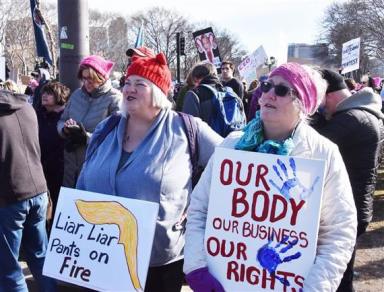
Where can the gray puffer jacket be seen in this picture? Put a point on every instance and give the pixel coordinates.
(88, 109)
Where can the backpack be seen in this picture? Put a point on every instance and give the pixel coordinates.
(227, 111)
(190, 128)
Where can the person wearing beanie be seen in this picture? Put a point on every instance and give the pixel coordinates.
(87, 106)
(145, 156)
(289, 95)
(355, 123)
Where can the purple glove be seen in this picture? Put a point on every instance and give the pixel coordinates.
(201, 280)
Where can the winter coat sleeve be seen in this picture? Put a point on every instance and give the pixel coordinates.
(207, 140)
(337, 231)
(191, 104)
(64, 117)
(114, 106)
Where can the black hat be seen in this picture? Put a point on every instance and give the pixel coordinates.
(334, 79)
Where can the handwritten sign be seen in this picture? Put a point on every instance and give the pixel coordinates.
(350, 58)
(101, 242)
(263, 220)
(248, 66)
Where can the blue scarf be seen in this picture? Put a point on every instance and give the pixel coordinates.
(253, 140)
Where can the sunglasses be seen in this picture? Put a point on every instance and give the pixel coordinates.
(280, 89)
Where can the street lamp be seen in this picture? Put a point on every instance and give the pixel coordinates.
(270, 62)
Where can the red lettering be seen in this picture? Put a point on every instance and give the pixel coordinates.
(262, 171)
(285, 275)
(226, 165)
(238, 198)
(266, 277)
(241, 249)
(299, 280)
(232, 271)
(255, 272)
(303, 237)
(295, 210)
(213, 246)
(249, 174)
(223, 250)
(265, 208)
(283, 213)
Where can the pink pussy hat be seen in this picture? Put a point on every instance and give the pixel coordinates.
(99, 64)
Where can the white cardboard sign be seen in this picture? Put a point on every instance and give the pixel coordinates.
(248, 66)
(263, 220)
(100, 241)
(350, 58)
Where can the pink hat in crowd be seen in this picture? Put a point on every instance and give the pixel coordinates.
(99, 64)
(302, 82)
(376, 81)
(33, 84)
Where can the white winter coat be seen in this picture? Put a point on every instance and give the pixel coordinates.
(338, 219)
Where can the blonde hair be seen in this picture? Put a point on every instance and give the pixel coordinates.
(92, 73)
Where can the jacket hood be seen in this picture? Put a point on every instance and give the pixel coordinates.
(364, 99)
(10, 102)
(212, 80)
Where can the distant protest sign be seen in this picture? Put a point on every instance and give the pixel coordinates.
(101, 242)
(248, 66)
(350, 58)
(207, 47)
(263, 220)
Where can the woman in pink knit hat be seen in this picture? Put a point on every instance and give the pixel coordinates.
(87, 106)
(151, 153)
(290, 94)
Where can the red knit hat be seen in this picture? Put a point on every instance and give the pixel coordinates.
(154, 69)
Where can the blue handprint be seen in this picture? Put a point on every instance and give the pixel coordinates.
(290, 183)
(269, 257)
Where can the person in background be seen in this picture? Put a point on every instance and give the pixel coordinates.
(87, 106)
(146, 157)
(23, 196)
(291, 93)
(254, 103)
(43, 77)
(190, 84)
(227, 78)
(355, 124)
(198, 101)
(53, 98)
(249, 93)
(351, 84)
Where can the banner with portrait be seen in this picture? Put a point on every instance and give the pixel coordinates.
(207, 47)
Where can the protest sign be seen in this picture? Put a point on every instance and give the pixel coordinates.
(100, 241)
(249, 65)
(207, 47)
(350, 58)
(263, 220)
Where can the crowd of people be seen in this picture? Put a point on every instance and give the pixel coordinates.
(50, 138)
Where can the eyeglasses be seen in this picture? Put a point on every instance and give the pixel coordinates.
(280, 89)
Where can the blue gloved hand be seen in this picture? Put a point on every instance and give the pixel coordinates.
(201, 280)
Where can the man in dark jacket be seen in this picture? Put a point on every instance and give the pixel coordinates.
(227, 78)
(23, 195)
(355, 124)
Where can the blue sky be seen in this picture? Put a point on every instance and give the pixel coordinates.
(271, 23)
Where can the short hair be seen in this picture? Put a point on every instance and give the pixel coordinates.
(59, 91)
(201, 70)
(231, 65)
(96, 77)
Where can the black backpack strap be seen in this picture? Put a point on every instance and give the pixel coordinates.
(108, 127)
(190, 128)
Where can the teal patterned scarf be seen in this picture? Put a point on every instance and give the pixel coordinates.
(253, 140)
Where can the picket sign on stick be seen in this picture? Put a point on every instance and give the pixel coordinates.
(263, 219)
(100, 241)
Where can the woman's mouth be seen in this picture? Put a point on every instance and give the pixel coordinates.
(269, 106)
(129, 98)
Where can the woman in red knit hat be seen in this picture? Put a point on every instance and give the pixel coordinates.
(146, 156)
